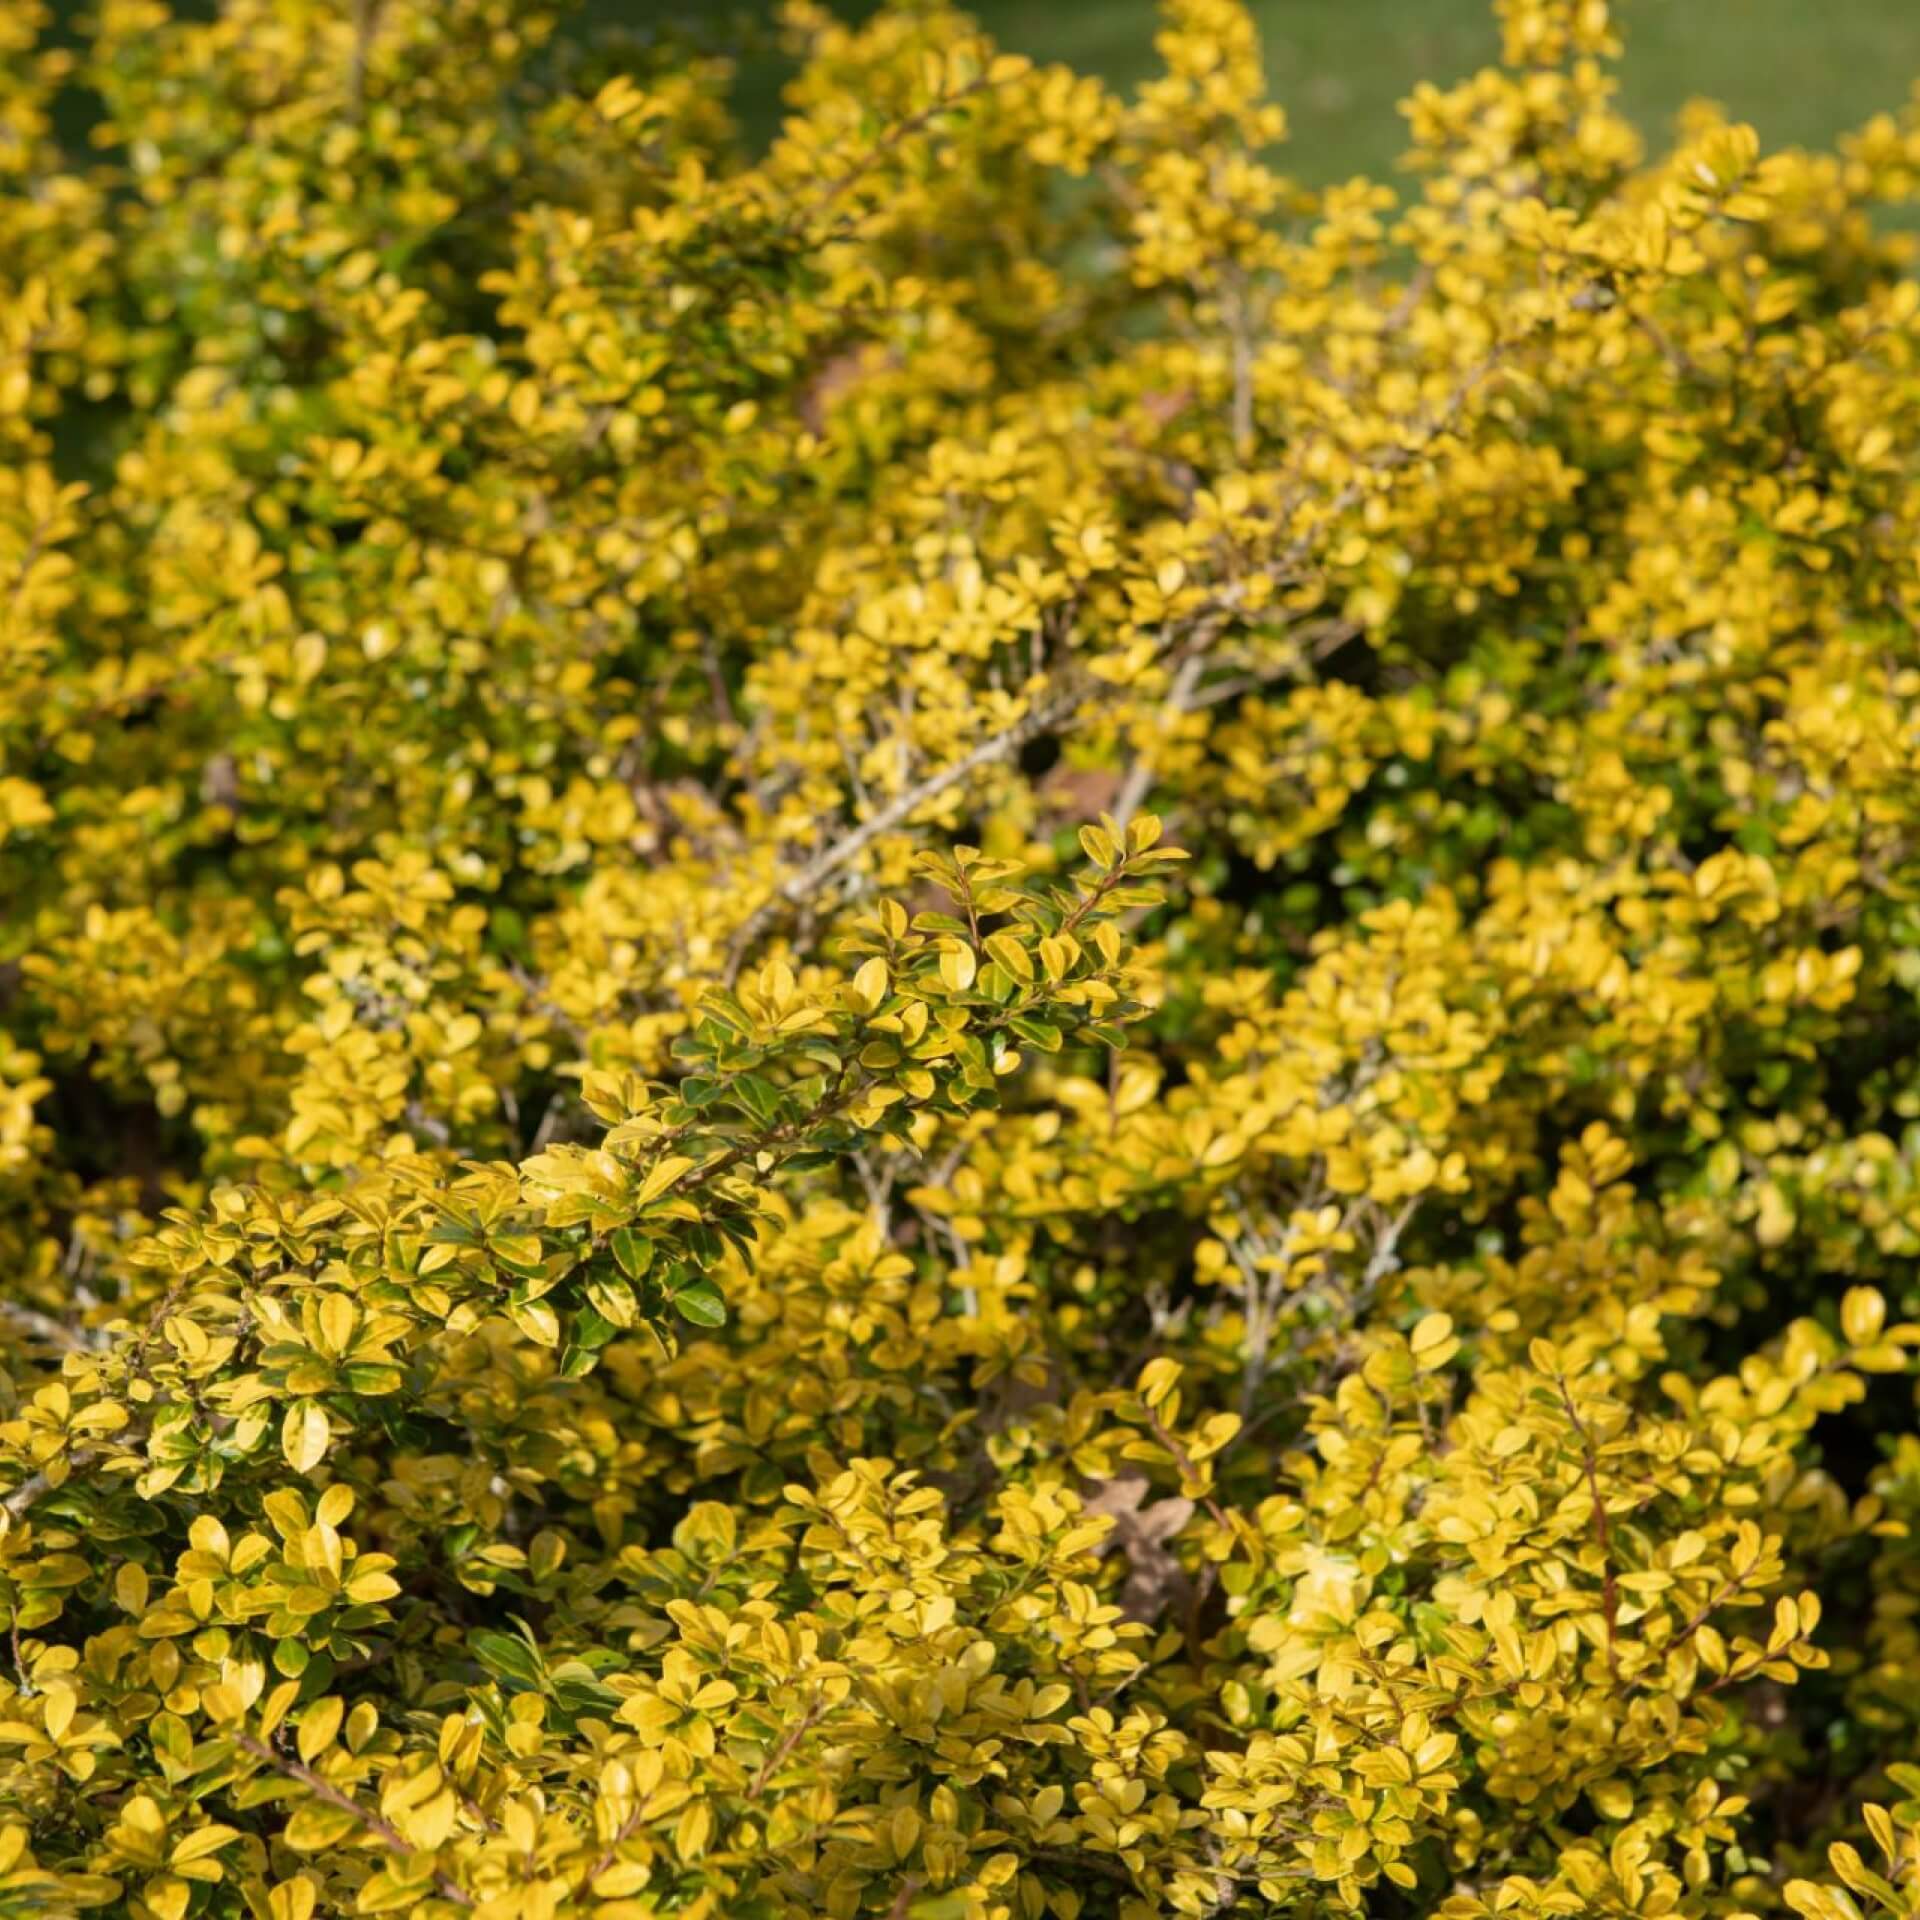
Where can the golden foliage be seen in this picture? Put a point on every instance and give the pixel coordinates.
(659, 1261)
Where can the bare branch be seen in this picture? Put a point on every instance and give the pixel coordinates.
(324, 1789)
(1063, 708)
(43, 1326)
(1140, 775)
(35, 1484)
(801, 888)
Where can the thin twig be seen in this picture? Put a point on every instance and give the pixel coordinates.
(1063, 708)
(622, 1834)
(366, 23)
(1386, 1251)
(1241, 333)
(1262, 1307)
(55, 1333)
(1094, 1863)
(1139, 778)
(803, 885)
(788, 1741)
(13, 1636)
(1183, 1461)
(1675, 356)
(1609, 1590)
(324, 1789)
(900, 133)
(35, 1484)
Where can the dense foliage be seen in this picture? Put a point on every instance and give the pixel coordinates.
(662, 1256)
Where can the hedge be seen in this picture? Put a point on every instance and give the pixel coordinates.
(970, 1023)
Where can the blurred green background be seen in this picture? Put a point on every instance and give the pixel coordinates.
(1800, 70)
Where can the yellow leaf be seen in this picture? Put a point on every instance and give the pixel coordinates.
(318, 1726)
(203, 1841)
(1158, 1378)
(292, 1900)
(903, 1830)
(223, 1702)
(333, 1506)
(304, 1434)
(661, 1176)
(622, 1878)
(58, 1717)
(166, 1897)
(1097, 844)
(870, 984)
(430, 1824)
(618, 98)
(315, 1828)
(1012, 956)
(694, 1829)
(1862, 1314)
(337, 1317)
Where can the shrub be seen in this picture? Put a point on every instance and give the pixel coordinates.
(662, 1259)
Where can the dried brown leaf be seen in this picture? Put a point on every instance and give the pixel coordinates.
(1155, 1578)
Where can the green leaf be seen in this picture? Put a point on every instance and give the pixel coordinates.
(701, 1303)
(506, 1657)
(593, 1330)
(634, 1252)
(1040, 1033)
(510, 933)
(756, 1097)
